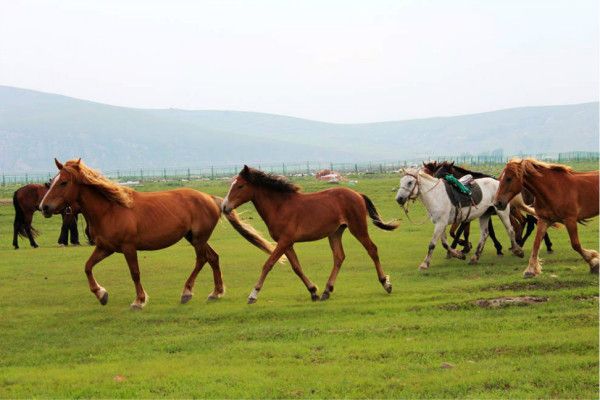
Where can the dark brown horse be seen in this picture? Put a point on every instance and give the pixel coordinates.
(26, 201)
(561, 196)
(293, 217)
(124, 221)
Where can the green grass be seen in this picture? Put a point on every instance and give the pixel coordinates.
(57, 341)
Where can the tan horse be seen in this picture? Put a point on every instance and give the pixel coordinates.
(561, 195)
(293, 217)
(124, 221)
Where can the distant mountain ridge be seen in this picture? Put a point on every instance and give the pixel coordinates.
(36, 126)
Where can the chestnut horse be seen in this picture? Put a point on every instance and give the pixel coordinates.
(124, 221)
(26, 200)
(293, 217)
(561, 196)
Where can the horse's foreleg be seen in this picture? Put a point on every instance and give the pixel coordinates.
(530, 222)
(497, 244)
(213, 260)
(483, 228)
(335, 242)
(281, 247)
(188, 288)
(590, 256)
(141, 298)
(293, 259)
(63, 238)
(73, 231)
(438, 231)
(452, 252)
(534, 268)
(466, 233)
(98, 255)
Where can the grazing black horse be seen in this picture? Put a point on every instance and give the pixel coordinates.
(519, 221)
(25, 201)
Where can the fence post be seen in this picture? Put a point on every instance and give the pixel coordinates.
(307, 168)
(141, 174)
(283, 168)
(3, 180)
(165, 174)
(212, 173)
(188, 174)
(26, 179)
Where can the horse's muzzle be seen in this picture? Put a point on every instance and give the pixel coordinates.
(46, 211)
(401, 200)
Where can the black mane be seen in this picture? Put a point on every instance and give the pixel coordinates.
(269, 181)
(446, 167)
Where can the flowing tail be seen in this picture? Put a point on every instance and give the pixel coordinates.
(20, 219)
(247, 231)
(388, 226)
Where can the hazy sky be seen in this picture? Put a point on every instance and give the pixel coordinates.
(340, 61)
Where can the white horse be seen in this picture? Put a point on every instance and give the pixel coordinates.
(417, 184)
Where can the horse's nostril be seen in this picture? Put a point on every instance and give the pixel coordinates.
(45, 207)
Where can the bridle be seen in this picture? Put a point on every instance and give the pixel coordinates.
(413, 196)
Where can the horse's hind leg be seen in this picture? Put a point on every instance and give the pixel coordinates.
(213, 260)
(361, 233)
(438, 232)
(141, 298)
(16, 229)
(548, 243)
(467, 231)
(28, 221)
(483, 228)
(293, 259)
(514, 246)
(497, 244)
(335, 242)
(590, 256)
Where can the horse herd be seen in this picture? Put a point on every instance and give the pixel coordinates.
(123, 220)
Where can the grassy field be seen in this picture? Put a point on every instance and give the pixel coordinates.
(426, 339)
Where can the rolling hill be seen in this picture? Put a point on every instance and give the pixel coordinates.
(36, 126)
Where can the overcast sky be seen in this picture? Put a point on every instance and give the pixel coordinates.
(339, 61)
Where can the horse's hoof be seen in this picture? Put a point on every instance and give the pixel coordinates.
(325, 296)
(529, 274)
(423, 266)
(137, 306)
(35, 246)
(252, 300)
(104, 299)
(549, 251)
(473, 261)
(519, 253)
(186, 297)
(594, 266)
(448, 255)
(461, 256)
(500, 254)
(314, 296)
(214, 296)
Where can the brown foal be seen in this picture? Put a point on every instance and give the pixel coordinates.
(561, 195)
(293, 217)
(124, 221)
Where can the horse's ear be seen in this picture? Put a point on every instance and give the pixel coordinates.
(246, 168)
(452, 164)
(78, 161)
(58, 164)
(76, 164)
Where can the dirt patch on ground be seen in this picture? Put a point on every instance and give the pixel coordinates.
(510, 301)
(538, 285)
(5, 202)
(586, 298)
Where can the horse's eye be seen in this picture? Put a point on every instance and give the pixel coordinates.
(508, 179)
(64, 183)
(240, 186)
(410, 183)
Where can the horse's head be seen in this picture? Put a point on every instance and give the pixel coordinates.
(430, 167)
(409, 186)
(240, 192)
(511, 184)
(63, 191)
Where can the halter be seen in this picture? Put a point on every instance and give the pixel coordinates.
(410, 195)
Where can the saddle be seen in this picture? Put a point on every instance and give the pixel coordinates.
(460, 199)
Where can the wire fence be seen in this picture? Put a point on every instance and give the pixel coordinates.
(297, 169)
